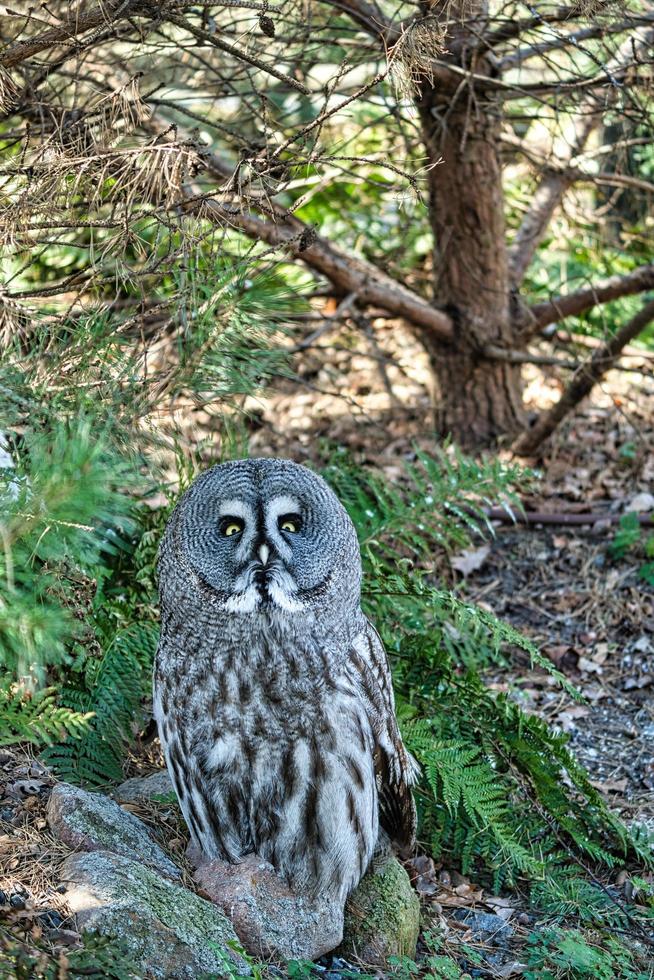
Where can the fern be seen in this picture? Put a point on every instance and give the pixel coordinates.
(437, 502)
(500, 790)
(98, 957)
(112, 690)
(36, 717)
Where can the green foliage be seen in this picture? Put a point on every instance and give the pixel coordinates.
(631, 537)
(435, 963)
(63, 509)
(437, 503)
(36, 717)
(569, 954)
(111, 690)
(99, 958)
(566, 896)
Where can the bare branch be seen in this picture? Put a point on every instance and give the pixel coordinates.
(238, 53)
(541, 314)
(81, 19)
(561, 41)
(573, 173)
(583, 381)
(554, 185)
(369, 17)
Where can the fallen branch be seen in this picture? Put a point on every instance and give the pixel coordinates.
(583, 381)
(533, 517)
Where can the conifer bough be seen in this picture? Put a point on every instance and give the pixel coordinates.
(124, 118)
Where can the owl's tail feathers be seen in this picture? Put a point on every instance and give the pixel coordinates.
(413, 770)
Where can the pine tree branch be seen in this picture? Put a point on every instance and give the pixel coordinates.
(582, 383)
(540, 315)
(238, 53)
(562, 41)
(369, 17)
(80, 20)
(347, 273)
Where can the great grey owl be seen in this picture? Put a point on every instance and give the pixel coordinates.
(272, 691)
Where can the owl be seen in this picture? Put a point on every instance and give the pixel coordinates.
(272, 692)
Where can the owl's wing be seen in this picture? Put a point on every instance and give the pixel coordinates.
(395, 768)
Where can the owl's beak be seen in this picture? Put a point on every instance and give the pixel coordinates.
(264, 553)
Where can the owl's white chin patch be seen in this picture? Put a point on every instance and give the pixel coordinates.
(244, 602)
(283, 599)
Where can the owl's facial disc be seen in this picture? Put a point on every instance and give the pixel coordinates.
(259, 541)
(269, 536)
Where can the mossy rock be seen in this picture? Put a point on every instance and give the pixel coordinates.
(170, 932)
(93, 822)
(382, 917)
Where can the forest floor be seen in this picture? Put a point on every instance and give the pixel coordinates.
(591, 613)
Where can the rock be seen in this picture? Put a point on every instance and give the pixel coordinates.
(382, 916)
(146, 788)
(486, 926)
(169, 931)
(642, 503)
(92, 822)
(271, 921)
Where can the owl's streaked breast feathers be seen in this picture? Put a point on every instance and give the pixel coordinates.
(272, 691)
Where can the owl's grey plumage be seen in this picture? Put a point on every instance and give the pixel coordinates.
(272, 691)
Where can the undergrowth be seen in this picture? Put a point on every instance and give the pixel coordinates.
(83, 509)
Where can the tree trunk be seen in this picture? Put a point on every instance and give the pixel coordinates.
(479, 400)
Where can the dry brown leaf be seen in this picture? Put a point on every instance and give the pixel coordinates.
(470, 559)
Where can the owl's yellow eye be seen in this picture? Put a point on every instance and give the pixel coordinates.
(290, 522)
(232, 527)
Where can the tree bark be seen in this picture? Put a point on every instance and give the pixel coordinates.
(479, 399)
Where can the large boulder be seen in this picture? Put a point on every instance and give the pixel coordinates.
(169, 931)
(92, 822)
(272, 922)
(382, 916)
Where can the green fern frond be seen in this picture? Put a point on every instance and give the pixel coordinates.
(36, 717)
(113, 691)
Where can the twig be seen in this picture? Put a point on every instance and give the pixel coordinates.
(583, 381)
(532, 517)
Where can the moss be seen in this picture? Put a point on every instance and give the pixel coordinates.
(382, 917)
(92, 822)
(170, 931)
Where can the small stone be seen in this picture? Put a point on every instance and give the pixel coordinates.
(169, 931)
(50, 919)
(642, 503)
(92, 822)
(272, 921)
(17, 901)
(382, 917)
(141, 788)
(485, 925)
